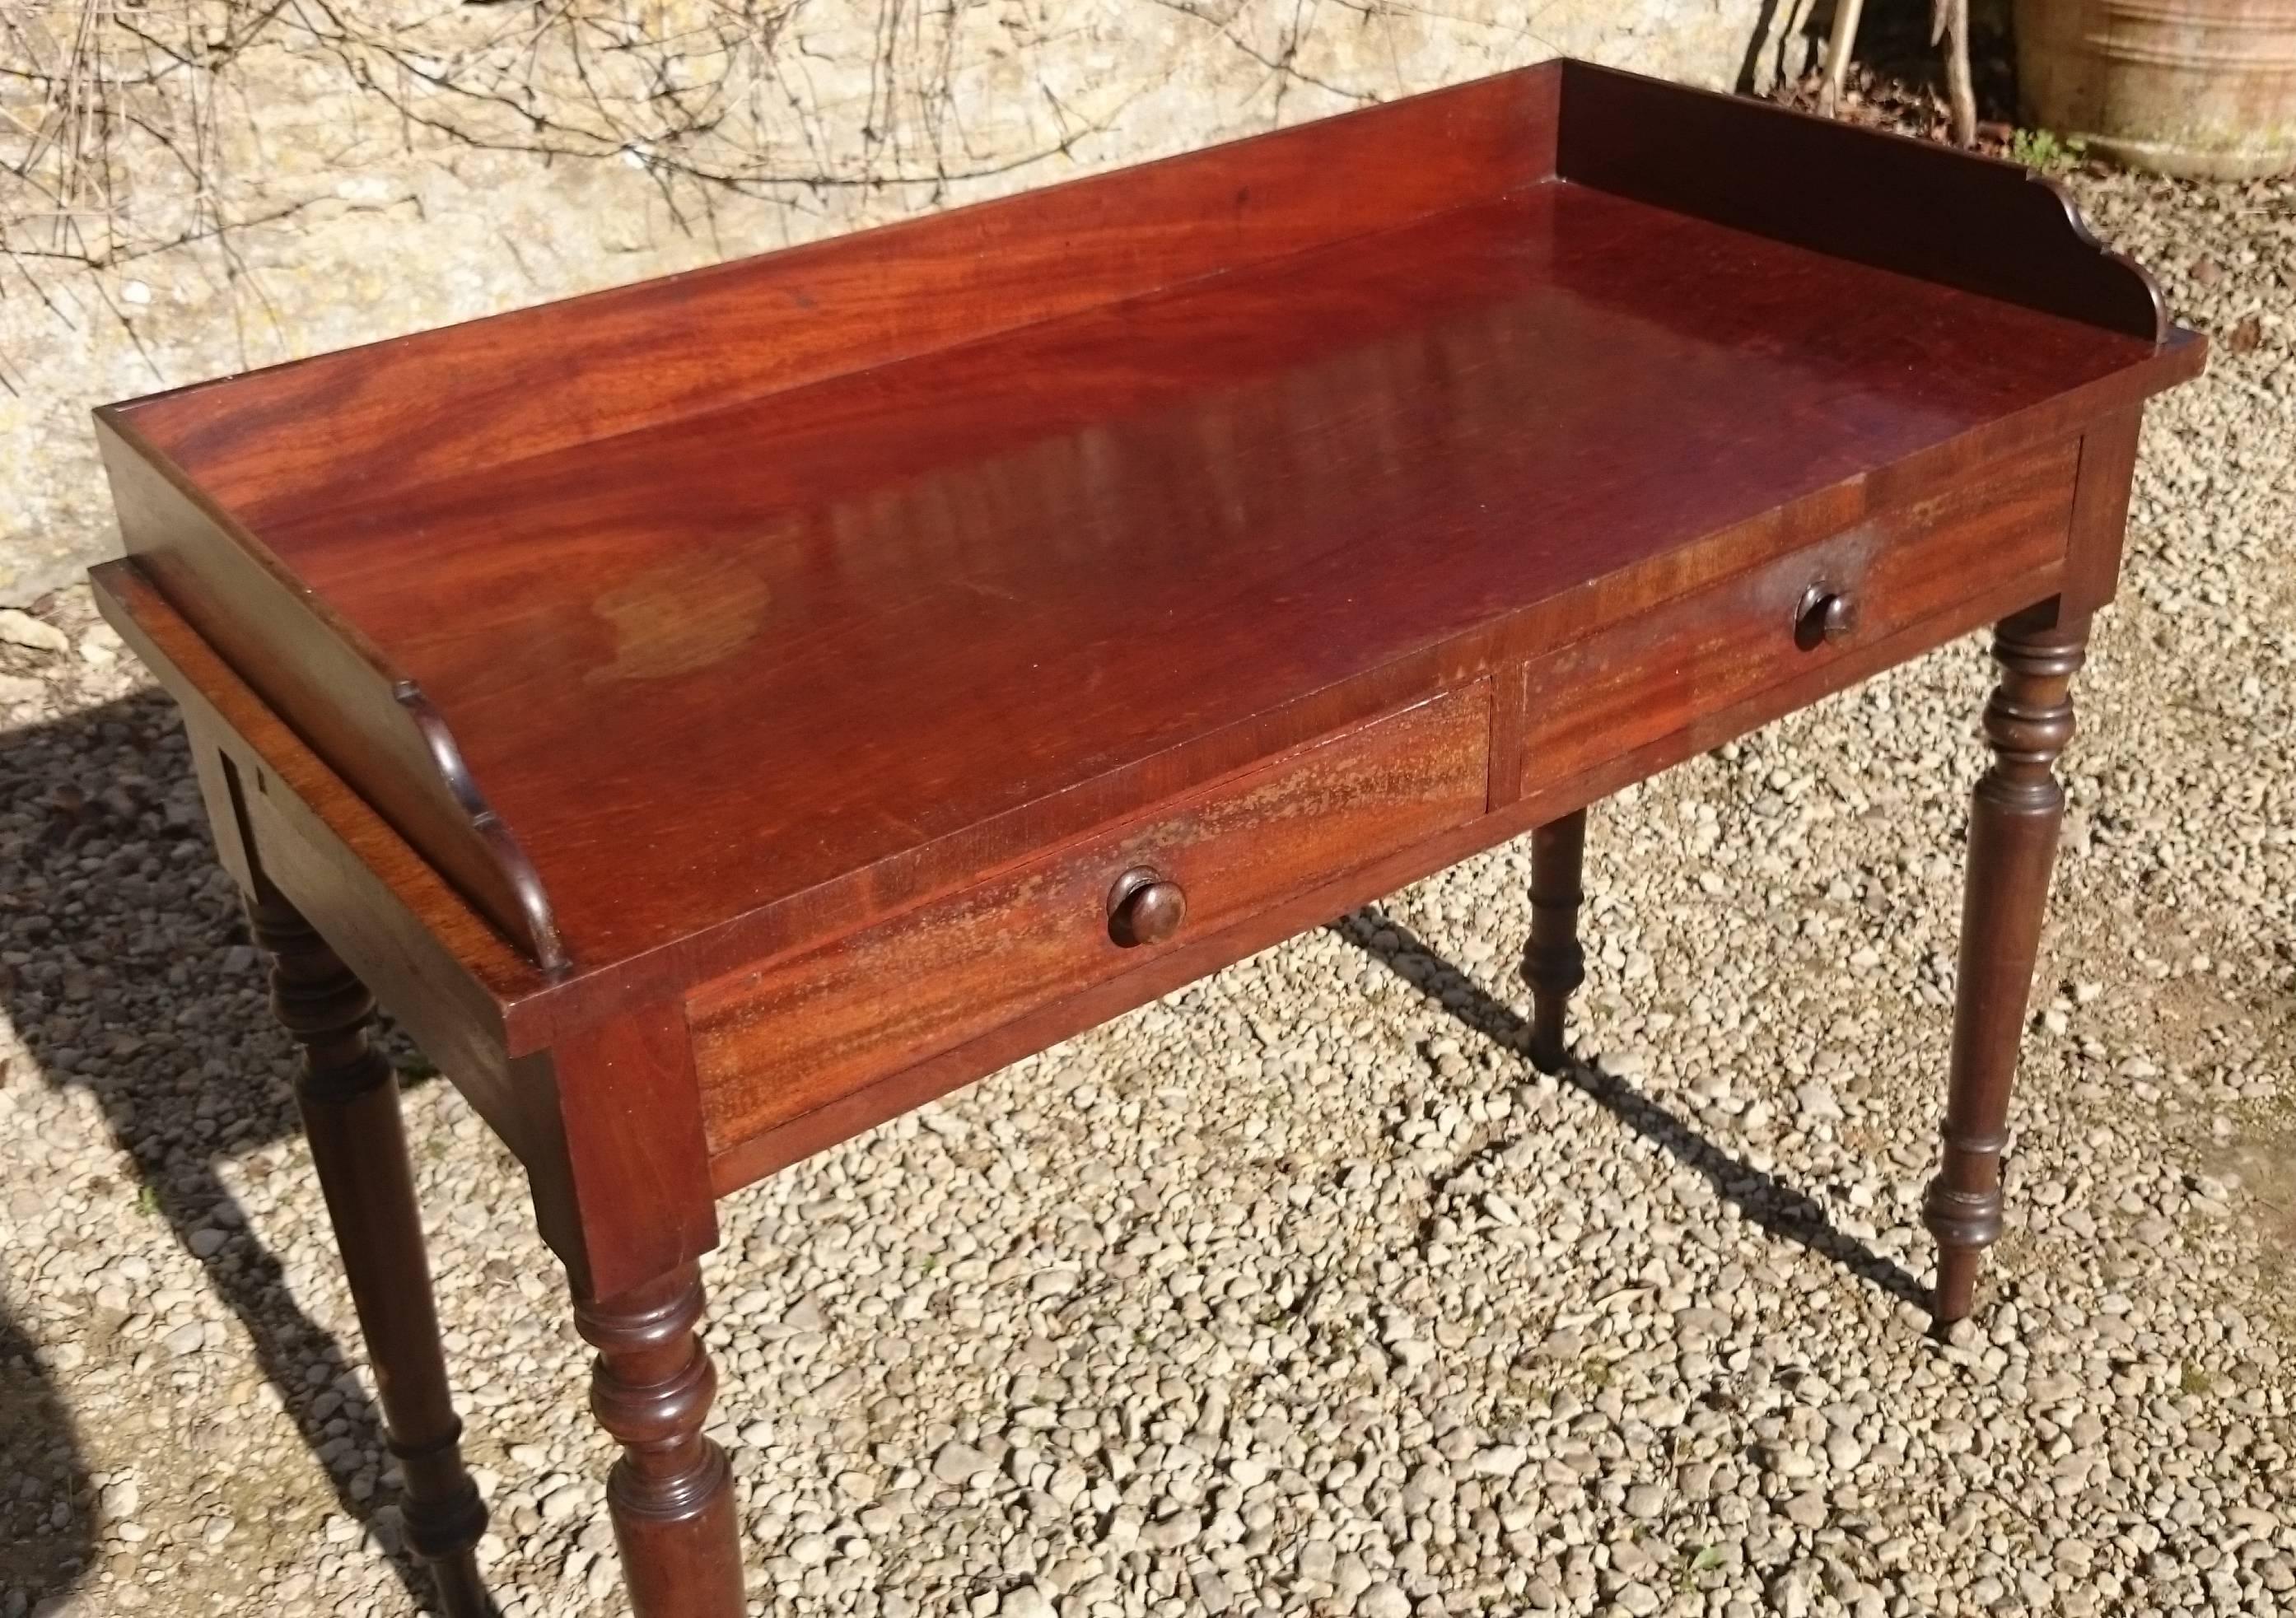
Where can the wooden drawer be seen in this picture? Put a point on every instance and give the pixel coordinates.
(1655, 675)
(774, 1042)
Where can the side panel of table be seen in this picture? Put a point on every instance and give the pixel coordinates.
(375, 729)
(439, 968)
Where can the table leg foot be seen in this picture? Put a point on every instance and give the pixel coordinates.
(1553, 963)
(461, 1592)
(348, 1098)
(672, 1492)
(2013, 844)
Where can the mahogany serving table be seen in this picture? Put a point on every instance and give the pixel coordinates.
(718, 714)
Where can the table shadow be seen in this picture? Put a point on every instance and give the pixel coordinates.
(48, 1512)
(109, 962)
(1773, 1206)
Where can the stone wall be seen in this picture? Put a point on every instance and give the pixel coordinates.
(294, 183)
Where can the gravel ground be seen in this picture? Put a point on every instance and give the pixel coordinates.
(1299, 1292)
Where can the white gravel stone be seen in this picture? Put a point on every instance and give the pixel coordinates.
(19, 628)
(960, 1463)
(1384, 1600)
(1025, 1601)
(1171, 1532)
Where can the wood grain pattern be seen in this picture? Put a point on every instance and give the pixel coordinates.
(2108, 472)
(935, 541)
(331, 683)
(408, 933)
(990, 477)
(773, 1044)
(394, 417)
(902, 653)
(1705, 651)
(1194, 954)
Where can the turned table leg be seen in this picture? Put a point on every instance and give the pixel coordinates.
(349, 1103)
(2013, 844)
(672, 1492)
(1553, 963)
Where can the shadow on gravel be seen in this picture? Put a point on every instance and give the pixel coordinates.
(1773, 1205)
(47, 1518)
(140, 987)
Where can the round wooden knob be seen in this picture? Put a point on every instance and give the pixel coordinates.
(1825, 615)
(1145, 906)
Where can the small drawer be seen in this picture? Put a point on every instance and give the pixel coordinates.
(772, 1043)
(1639, 683)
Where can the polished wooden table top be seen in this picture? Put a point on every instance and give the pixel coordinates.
(827, 630)
(718, 714)
(860, 635)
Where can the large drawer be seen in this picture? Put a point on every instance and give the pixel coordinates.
(774, 1042)
(1657, 675)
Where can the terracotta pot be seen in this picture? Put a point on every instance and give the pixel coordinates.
(2202, 87)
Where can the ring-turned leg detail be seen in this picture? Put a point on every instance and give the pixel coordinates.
(1553, 963)
(349, 1103)
(2012, 845)
(672, 1492)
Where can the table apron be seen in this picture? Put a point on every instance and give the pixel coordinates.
(798, 1054)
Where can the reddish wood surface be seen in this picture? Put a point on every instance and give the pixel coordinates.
(2014, 235)
(330, 680)
(2108, 472)
(671, 1494)
(1705, 651)
(621, 1190)
(2012, 847)
(1072, 509)
(1201, 952)
(773, 1044)
(405, 931)
(902, 653)
(396, 416)
(1084, 567)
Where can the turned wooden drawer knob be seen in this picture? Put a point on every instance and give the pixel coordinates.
(1145, 906)
(1825, 615)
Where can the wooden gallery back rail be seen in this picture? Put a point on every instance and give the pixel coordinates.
(718, 714)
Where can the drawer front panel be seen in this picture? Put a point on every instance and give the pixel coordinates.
(774, 1044)
(1639, 683)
